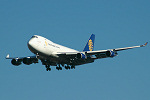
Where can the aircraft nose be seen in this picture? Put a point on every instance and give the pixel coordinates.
(31, 44)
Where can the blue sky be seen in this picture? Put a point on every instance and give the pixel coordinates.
(117, 23)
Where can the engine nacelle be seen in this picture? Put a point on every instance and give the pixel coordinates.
(111, 53)
(27, 61)
(81, 56)
(16, 62)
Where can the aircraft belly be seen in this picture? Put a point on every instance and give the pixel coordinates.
(68, 61)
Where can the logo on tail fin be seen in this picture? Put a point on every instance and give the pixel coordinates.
(90, 43)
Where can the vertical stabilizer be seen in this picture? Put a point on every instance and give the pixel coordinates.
(90, 44)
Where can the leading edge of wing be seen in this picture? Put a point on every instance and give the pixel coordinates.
(100, 51)
(126, 48)
(117, 49)
(8, 57)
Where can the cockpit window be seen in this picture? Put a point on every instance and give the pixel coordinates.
(34, 37)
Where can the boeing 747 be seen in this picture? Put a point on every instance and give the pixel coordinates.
(52, 54)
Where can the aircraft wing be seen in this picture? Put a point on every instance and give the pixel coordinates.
(26, 60)
(95, 54)
(126, 48)
(117, 49)
(8, 57)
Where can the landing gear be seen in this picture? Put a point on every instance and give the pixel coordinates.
(58, 67)
(72, 66)
(48, 68)
(67, 67)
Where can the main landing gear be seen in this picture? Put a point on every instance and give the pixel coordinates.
(70, 66)
(48, 68)
(58, 67)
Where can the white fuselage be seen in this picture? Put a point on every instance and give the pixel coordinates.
(40, 45)
(52, 54)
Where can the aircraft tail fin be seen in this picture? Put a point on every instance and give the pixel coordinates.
(90, 44)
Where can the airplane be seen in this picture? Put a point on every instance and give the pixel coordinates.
(52, 54)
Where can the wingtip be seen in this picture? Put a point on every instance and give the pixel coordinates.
(7, 57)
(145, 43)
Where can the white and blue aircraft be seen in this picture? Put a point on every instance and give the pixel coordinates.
(52, 54)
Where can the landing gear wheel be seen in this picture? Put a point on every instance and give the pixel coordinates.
(66, 67)
(72, 67)
(59, 68)
(48, 68)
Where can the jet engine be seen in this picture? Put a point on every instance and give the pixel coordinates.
(111, 53)
(16, 62)
(81, 55)
(27, 61)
